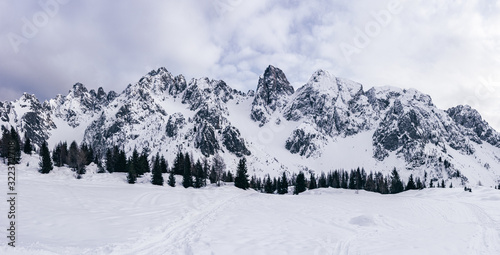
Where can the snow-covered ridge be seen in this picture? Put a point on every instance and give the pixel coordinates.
(276, 127)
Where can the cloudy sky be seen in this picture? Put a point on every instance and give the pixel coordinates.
(447, 49)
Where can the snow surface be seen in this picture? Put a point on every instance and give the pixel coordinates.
(102, 214)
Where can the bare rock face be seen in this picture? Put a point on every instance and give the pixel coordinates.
(272, 94)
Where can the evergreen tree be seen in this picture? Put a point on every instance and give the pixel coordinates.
(370, 183)
(420, 185)
(56, 156)
(300, 185)
(27, 145)
(322, 181)
(73, 155)
(157, 178)
(312, 182)
(136, 163)
(110, 166)
(163, 165)
(411, 183)
(283, 189)
(143, 162)
(396, 183)
(121, 162)
(64, 153)
(14, 137)
(253, 182)
(81, 160)
(90, 155)
(268, 185)
(442, 184)
(46, 162)
(178, 168)
(132, 175)
(4, 143)
(241, 180)
(85, 150)
(198, 174)
(213, 176)
(431, 184)
(187, 177)
(171, 179)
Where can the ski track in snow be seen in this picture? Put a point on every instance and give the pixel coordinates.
(178, 237)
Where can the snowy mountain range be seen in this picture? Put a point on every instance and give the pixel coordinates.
(328, 123)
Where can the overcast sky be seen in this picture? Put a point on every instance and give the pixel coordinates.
(447, 49)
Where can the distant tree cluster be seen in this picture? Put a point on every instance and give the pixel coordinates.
(355, 179)
(75, 157)
(194, 174)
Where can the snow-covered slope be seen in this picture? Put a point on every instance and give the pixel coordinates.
(328, 123)
(102, 214)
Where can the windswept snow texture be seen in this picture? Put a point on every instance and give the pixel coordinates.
(102, 214)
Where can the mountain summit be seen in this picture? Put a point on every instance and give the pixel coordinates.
(328, 123)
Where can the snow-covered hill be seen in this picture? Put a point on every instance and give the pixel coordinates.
(102, 214)
(328, 123)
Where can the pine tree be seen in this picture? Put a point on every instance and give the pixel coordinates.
(121, 162)
(198, 174)
(143, 162)
(283, 189)
(312, 182)
(411, 183)
(27, 145)
(396, 183)
(163, 165)
(4, 143)
(110, 166)
(187, 177)
(322, 181)
(300, 185)
(157, 178)
(171, 179)
(268, 185)
(14, 137)
(56, 156)
(73, 155)
(442, 184)
(241, 180)
(213, 176)
(135, 161)
(178, 167)
(132, 175)
(46, 162)
(431, 184)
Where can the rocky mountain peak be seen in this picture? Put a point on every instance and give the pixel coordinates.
(272, 93)
(78, 90)
(474, 126)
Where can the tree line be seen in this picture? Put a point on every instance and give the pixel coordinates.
(198, 173)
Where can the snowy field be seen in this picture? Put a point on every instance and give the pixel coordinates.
(102, 214)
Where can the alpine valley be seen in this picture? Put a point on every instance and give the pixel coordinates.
(328, 123)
